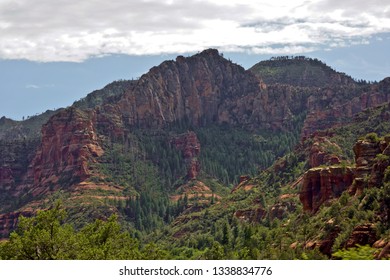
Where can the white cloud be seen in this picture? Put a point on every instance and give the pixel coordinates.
(32, 86)
(73, 30)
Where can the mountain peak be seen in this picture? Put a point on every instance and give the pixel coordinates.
(210, 52)
(190, 88)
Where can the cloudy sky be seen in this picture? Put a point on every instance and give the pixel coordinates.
(54, 52)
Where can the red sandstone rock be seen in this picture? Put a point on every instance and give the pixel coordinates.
(365, 154)
(251, 215)
(69, 145)
(189, 144)
(322, 184)
(244, 184)
(362, 235)
(281, 209)
(321, 152)
(326, 244)
(333, 106)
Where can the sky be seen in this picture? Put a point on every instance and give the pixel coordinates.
(55, 52)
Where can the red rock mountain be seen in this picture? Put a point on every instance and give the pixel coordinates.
(201, 90)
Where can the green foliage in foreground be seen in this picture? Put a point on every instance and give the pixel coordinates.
(357, 253)
(46, 237)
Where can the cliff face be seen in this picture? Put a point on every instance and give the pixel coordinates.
(69, 145)
(191, 88)
(338, 106)
(322, 184)
(365, 154)
(15, 158)
(323, 152)
(372, 158)
(208, 89)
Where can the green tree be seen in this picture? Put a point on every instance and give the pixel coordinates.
(216, 252)
(42, 237)
(46, 236)
(154, 252)
(104, 240)
(356, 253)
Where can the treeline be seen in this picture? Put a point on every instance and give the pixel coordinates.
(287, 57)
(46, 236)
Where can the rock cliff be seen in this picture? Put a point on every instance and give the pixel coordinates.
(69, 144)
(323, 152)
(208, 89)
(324, 183)
(338, 105)
(189, 145)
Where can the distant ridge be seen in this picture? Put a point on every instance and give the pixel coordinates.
(299, 71)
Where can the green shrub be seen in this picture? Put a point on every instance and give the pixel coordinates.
(372, 137)
(357, 253)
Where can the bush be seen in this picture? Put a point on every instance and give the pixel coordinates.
(372, 137)
(357, 253)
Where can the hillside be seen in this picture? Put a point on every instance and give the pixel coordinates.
(209, 160)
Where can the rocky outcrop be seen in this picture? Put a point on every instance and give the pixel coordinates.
(324, 183)
(193, 189)
(251, 215)
(325, 244)
(243, 184)
(384, 249)
(365, 154)
(319, 184)
(323, 152)
(189, 145)
(362, 235)
(69, 145)
(372, 157)
(281, 209)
